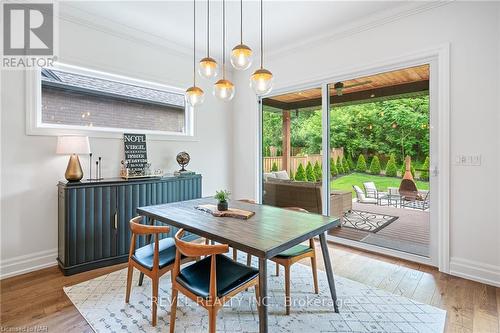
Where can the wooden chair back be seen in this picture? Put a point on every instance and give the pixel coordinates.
(138, 228)
(197, 250)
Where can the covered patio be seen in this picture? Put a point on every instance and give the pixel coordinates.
(406, 229)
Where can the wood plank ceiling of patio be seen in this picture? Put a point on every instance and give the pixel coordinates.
(385, 85)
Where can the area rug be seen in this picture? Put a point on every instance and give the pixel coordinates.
(367, 221)
(101, 301)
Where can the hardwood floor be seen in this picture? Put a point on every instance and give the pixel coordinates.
(37, 298)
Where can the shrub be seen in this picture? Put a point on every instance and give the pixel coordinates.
(310, 173)
(403, 169)
(390, 169)
(375, 166)
(361, 165)
(340, 167)
(274, 167)
(300, 174)
(291, 175)
(352, 166)
(333, 168)
(424, 175)
(317, 171)
(345, 165)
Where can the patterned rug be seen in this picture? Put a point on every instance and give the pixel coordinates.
(367, 221)
(101, 301)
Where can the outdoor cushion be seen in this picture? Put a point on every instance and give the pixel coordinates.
(294, 251)
(281, 174)
(230, 275)
(268, 175)
(371, 189)
(144, 255)
(359, 192)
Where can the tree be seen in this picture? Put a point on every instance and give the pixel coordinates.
(340, 167)
(333, 168)
(274, 167)
(310, 177)
(424, 175)
(300, 174)
(352, 166)
(361, 165)
(318, 173)
(391, 169)
(345, 165)
(375, 166)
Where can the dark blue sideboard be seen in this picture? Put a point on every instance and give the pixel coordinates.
(94, 217)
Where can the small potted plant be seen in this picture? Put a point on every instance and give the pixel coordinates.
(222, 196)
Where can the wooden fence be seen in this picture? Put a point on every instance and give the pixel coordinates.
(296, 160)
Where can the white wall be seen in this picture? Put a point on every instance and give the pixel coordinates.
(30, 169)
(472, 29)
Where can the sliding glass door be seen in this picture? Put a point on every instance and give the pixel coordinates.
(343, 149)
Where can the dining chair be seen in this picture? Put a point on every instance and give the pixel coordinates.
(289, 257)
(211, 281)
(154, 260)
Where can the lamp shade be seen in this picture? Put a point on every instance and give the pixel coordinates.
(67, 145)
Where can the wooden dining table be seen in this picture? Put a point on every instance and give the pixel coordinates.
(270, 231)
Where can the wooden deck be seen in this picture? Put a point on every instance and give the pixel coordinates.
(409, 233)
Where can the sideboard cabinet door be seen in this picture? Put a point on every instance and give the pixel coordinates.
(90, 216)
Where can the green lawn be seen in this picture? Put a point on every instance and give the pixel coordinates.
(346, 182)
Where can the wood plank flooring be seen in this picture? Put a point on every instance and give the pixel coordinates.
(37, 298)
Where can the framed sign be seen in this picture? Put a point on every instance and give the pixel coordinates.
(136, 154)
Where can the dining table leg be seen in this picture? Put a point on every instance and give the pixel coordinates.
(263, 301)
(329, 270)
(148, 240)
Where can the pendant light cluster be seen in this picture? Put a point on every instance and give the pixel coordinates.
(241, 59)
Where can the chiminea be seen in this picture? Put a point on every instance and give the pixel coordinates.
(408, 188)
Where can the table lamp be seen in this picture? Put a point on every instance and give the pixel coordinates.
(73, 145)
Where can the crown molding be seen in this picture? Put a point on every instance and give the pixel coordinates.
(358, 26)
(121, 30)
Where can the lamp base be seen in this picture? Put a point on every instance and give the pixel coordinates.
(74, 172)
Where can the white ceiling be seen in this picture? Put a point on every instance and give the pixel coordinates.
(170, 23)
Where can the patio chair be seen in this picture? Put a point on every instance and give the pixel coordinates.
(371, 190)
(421, 202)
(360, 195)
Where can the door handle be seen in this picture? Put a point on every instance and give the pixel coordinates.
(116, 220)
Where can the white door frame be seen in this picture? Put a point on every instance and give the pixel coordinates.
(439, 59)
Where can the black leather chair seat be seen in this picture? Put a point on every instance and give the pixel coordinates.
(230, 275)
(144, 255)
(294, 251)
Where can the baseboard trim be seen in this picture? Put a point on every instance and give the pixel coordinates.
(27, 263)
(476, 271)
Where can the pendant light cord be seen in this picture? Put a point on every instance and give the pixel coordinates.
(223, 39)
(208, 28)
(194, 42)
(241, 21)
(261, 37)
